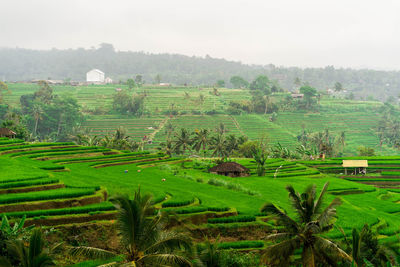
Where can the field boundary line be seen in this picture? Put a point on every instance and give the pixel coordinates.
(237, 124)
(159, 128)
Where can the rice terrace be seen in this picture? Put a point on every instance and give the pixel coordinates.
(199, 134)
(67, 185)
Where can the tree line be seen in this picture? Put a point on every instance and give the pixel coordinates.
(179, 69)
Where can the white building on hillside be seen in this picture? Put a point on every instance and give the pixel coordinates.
(95, 76)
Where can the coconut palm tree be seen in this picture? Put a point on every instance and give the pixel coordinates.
(367, 251)
(209, 253)
(32, 256)
(219, 146)
(201, 140)
(260, 156)
(37, 113)
(183, 141)
(167, 146)
(143, 236)
(221, 129)
(304, 234)
(169, 129)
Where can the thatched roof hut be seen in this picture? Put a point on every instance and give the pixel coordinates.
(231, 169)
(5, 132)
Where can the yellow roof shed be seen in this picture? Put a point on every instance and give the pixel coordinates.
(355, 163)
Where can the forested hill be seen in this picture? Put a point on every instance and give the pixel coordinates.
(22, 64)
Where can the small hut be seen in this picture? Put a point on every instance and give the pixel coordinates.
(5, 132)
(231, 169)
(360, 166)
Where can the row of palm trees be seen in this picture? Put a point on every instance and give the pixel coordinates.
(147, 239)
(218, 142)
(116, 140)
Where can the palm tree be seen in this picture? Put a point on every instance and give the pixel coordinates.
(201, 140)
(167, 146)
(366, 248)
(183, 141)
(209, 253)
(32, 256)
(219, 146)
(305, 234)
(201, 99)
(37, 112)
(169, 129)
(260, 156)
(144, 238)
(221, 129)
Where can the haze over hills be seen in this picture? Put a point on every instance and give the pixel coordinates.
(17, 64)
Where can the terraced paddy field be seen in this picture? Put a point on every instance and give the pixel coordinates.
(358, 119)
(52, 189)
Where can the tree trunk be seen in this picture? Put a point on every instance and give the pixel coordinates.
(36, 124)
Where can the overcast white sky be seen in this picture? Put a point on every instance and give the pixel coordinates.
(306, 33)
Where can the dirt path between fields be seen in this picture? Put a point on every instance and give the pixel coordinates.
(162, 124)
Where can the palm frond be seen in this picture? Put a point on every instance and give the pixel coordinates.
(296, 201)
(169, 241)
(331, 248)
(327, 215)
(318, 203)
(279, 254)
(161, 259)
(279, 236)
(91, 252)
(290, 224)
(43, 260)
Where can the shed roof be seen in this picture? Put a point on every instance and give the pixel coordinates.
(229, 167)
(6, 131)
(355, 163)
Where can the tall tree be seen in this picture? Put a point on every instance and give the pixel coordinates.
(219, 146)
(182, 141)
(157, 79)
(3, 88)
(261, 83)
(338, 87)
(309, 92)
(306, 233)
(200, 140)
(239, 82)
(143, 235)
(37, 112)
(260, 156)
(131, 83)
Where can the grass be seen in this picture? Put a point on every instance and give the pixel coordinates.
(356, 210)
(45, 195)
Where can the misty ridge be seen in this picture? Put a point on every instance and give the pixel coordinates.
(19, 64)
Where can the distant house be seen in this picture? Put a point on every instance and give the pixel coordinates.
(231, 169)
(164, 84)
(360, 166)
(108, 80)
(95, 76)
(297, 96)
(5, 132)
